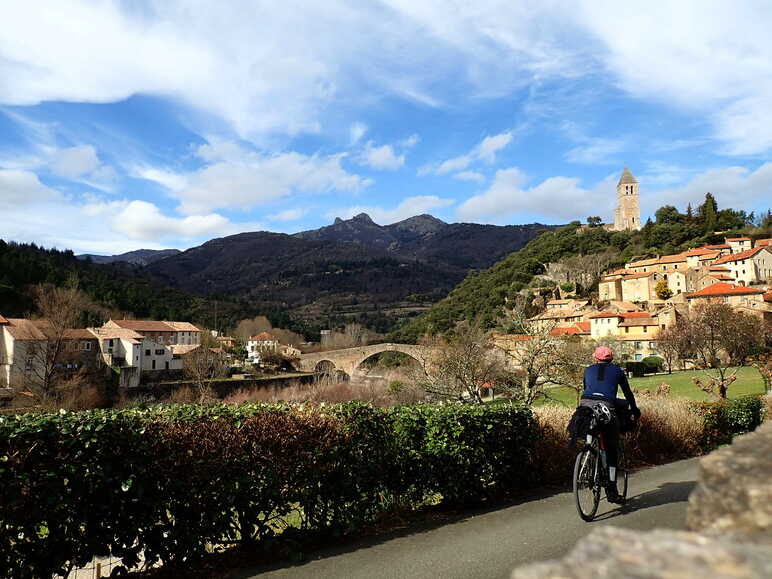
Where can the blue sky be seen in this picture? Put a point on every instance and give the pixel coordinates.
(164, 124)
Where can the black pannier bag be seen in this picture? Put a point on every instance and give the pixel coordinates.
(624, 415)
(581, 423)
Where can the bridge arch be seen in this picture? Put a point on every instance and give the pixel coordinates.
(348, 359)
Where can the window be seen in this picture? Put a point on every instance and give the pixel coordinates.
(167, 364)
(627, 329)
(652, 345)
(85, 346)
(147, 352)
(645, 329)
(153, 364)
(637, 345)
(638, 357)
(159, 352)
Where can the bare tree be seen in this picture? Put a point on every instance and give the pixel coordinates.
(466, 363)
(351, 336)
(204, 364)
(60, 310)
(588, 269)
(721, 340)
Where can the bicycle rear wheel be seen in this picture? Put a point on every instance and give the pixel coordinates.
(586, 483)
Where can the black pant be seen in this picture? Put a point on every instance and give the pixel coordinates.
(610, 434)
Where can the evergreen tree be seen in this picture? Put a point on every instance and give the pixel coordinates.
(689, 213)
(708, 214)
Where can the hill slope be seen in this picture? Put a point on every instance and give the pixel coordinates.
(352, 269)
(136, 257)
(483, 294)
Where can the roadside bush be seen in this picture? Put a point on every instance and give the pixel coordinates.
(653, 364)
(726, 418)
(167, 483)
(464, 452)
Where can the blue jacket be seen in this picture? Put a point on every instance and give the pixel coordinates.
(602, 380)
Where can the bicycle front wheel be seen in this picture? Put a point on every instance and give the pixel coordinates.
(586, 483)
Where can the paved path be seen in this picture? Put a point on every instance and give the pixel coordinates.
(491, 544)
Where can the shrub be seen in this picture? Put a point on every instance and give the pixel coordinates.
(637, 369)
(653, 364)
(725, 418)
(464, 452)
(169, 482)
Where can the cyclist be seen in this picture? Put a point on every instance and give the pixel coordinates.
(601, 381)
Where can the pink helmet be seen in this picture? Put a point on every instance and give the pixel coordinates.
(604, 354)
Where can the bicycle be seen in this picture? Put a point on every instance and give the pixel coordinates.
(591, 475)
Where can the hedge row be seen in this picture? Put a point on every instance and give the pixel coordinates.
(167, 483)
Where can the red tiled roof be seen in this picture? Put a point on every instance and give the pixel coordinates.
(673, 258)
(262, 337)
(144, 325)
(718, 268)
(652, 261)
(183, 326)
(768, 296)
(605, 315)
(738, 256)
(635, 315)
(3, 320)
(638, 275)
(24, 329)
(698, 251)
(574, 330)
(724, 289)
(737, 239)
(621, 271)
(722, 276)
(719, 246)
(764, 242)
(78, 334)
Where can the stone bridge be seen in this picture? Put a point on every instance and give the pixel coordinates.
(347, 360)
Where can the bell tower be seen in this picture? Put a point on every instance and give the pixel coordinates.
(628, 212)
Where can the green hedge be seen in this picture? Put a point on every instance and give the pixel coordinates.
(727, 418)
(169, 482)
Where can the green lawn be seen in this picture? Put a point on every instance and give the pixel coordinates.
(748, 382)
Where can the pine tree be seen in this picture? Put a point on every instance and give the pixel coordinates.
(708, 213)
(689, 213)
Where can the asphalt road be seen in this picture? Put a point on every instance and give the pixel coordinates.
(490, 544)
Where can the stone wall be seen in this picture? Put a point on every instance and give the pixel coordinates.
(729, 514)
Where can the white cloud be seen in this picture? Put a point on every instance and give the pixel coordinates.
(409, 207)
(596, 151)
(735, 187)
(555, 198)
(470, 176)
(276, 67)
(356, 132)
(143, 220)
(382, 158)
(238, 178)
(74, 162)
(289, 214)
(164, 177)
(21, 188)
(411, 141)
(484, 151)
(711, 58)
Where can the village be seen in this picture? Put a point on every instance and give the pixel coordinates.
(648, 295)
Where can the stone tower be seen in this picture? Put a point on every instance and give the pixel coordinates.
(628, 212)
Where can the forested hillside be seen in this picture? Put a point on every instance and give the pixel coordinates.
(118, 288)
(483, 294)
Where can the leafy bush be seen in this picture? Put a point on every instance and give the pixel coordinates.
(464, 452)
(638, 369)
(167, 483)
(725, 418)
(653, 364)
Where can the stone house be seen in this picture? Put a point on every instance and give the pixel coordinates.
(752, 266)
(726, 293)
(27, 347)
